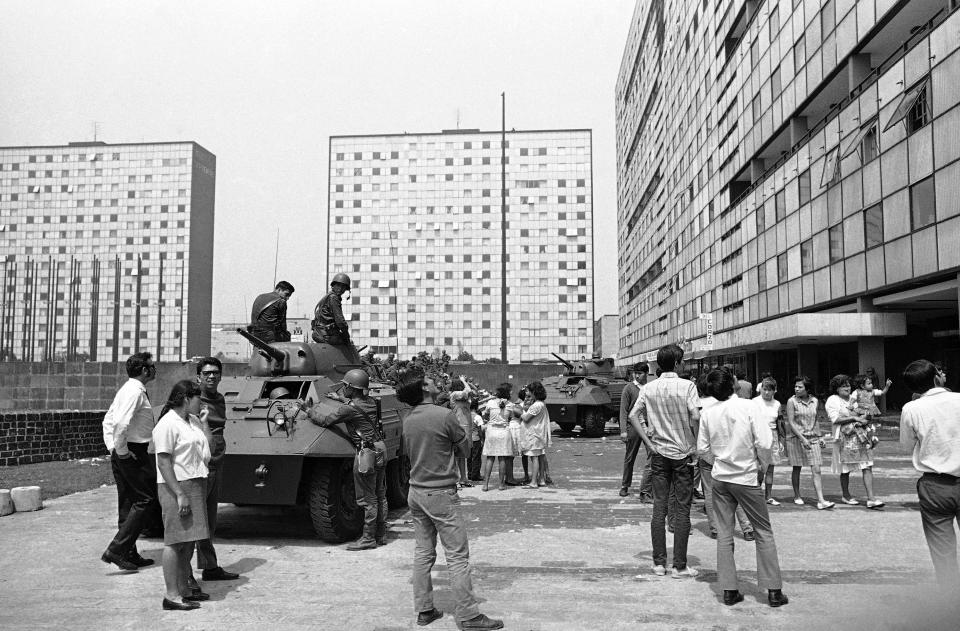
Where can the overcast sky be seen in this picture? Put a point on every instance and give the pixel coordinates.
(264, 84)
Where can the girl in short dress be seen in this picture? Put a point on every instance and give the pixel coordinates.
(498, 442)
(536, 426)
(770, 412)
(803, 440)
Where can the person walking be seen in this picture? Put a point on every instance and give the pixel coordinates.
(632, 441)
(669, 407)
(853, 452)
(741, 444)
(182, 457)
(803, 440)
(433, 440)
(213, 417)
(359, 412)
(127, 432)
(930, 429)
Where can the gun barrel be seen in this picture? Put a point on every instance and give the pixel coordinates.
(563, 361)
(276, 354)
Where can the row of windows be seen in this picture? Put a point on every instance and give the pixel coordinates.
(93, 157)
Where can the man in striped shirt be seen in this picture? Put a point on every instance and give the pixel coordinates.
(669, 409)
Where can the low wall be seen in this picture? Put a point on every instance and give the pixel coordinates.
(28, 437)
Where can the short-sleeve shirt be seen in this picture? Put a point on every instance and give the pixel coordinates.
(186, 442)
(930, 426)
(768, 410)
(668, 404)
(495, 415)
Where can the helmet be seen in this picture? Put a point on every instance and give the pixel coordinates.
(341, 278)
(357, 378)
(279, 393)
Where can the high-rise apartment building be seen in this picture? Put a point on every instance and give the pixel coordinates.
(788, 182)
(420, 223)
(107, 249)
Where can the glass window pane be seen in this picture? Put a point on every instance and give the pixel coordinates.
(873, 225)
(923, 208)
(836, 243)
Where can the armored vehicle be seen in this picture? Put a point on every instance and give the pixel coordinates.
(586, 394)
(276, 456)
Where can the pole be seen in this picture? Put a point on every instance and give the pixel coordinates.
(276, 258)
(503, 227)
(115, 354)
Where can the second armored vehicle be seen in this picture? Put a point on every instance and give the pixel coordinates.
(586, 394)
(276, 456)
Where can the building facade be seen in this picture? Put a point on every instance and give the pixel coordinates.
(789, 201)
(436, 246)
(107, 250)
(606, 336)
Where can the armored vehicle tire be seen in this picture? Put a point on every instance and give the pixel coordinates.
(592, 423)
(333, 506)
(398, 481)
(567, 427)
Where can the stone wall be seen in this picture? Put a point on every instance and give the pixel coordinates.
(27, 437)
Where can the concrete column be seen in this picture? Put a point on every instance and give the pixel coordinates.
(858, 69)
(807, 362)
(870, 353)
(865, 305)
(798, 129)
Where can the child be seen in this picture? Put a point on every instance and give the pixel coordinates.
(863, 404)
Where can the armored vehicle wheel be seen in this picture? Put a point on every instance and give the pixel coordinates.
(333, 506)
(398, 480)
(592, 423)
(567, 427)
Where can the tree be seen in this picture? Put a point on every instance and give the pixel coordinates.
(465, 356)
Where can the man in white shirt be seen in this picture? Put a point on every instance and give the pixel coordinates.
(741, 444)
(127, 432)
(930, 428)
(669, 406)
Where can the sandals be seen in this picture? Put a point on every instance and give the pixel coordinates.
(851, 501)
(825, 505)
(874, 504)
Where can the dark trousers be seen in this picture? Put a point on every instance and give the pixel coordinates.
(632, 449)
(476, 459)
(678, 474)
(371, 492)
(123, 492)
(141, 493)
(939, 508)
(206, 554)
(727, 500)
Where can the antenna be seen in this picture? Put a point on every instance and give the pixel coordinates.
(458, 118)
(96, 129)
(276, 258)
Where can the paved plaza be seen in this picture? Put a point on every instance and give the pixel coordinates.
(574, 556)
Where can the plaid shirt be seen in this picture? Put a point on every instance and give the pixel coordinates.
(669, 404)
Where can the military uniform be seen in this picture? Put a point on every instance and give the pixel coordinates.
(360, 417)
(329, 325)
(268, 318)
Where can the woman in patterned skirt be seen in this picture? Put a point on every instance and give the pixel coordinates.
(853, 453)
(804, 441)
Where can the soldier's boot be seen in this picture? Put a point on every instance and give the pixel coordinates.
(382, 533)
(368, 540)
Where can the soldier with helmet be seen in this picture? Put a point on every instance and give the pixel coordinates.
(268, 318)
(361, 415)
(329, 325)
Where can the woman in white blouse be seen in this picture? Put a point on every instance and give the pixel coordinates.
(182, 456)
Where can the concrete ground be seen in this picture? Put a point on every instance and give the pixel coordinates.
(574, 556)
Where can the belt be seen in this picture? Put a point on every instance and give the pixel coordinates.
(943, 477)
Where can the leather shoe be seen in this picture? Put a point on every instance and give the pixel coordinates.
(196, 596)
(119, 561)
(381, 541)
(192, 583)
(152, 533)
(426, 617)
(135, 558)
(480, 622)
(624, 492)
(732, 597)
(776, 598)
(219, 574)
(171, 605)
(361, 544)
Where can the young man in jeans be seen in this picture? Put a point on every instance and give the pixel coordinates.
(669, 406)
(433, 440)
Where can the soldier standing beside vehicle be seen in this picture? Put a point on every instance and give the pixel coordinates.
(268, 318)
(214, 416)
(359, 412)
(329, 325)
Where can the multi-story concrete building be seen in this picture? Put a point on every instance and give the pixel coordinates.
(606, 336)
(107, 249)
(435, 252)
(788, 175)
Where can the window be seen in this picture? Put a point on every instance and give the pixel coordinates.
(831, 168)
(358, 156)
(910, 107)
(804, 184)
(782, 268)
(523, 151)
(756, 108)
(486, 144)
(873, 225)
(923, 207)
(448, 162)
(828, 18)
(762, 277)
(780, 202)
(761, 220)
(806, 256)
(835, 235)
(869, 146)
(774, 22)
(799, 55)
(775, 82)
